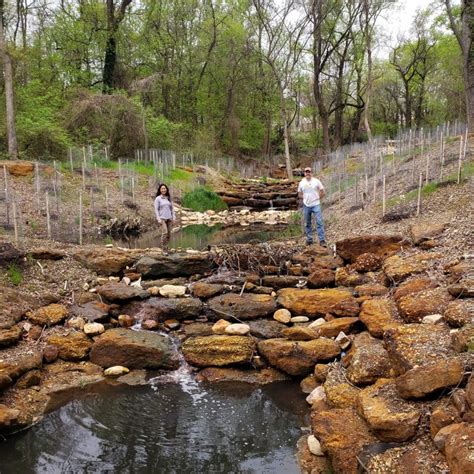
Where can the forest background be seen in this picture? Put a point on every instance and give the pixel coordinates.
(238, 77)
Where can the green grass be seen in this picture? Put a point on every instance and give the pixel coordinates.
(202, 199)
(426, 190)
(467, 171)
(14, 275)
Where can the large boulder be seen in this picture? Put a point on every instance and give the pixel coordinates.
(17, 167)
(414, 307)
(91, 311)
(314, 303)
(72, 346)
(422, 232)
(389, 417)
(245, 306)
(343, 435)
(459, 449)
(48, 315)
(218, 350)
(321, 278)
(227, 374)
(334, 327)
(380, 245)
(161, 309)
(431, 377)
(298, 357)
(460, 312)
(340, 393)
(378, 315)
(134, 350)
(368, 363)
(413, 285)
(398, 268)
(104, 261)
(207, 290)
(174, 265)
(411, 345)
(119, 292)
(28, 360)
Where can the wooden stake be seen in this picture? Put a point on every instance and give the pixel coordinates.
(420, 186)
(48, 217)
(15, 221)
(461, 148)
(442, 157)
(80, 217)
(383, 196)
(107, 200)
(70, 159)
(427, 168)
(7, 207)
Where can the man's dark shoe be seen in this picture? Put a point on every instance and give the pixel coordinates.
(323, 243)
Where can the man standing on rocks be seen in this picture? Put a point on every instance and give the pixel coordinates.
(311, 190)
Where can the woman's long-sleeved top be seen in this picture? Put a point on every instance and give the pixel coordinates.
(164, 208)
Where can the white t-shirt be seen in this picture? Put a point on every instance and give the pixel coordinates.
(310, 189)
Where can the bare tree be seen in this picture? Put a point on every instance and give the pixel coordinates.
(9, 96)
(463, 33)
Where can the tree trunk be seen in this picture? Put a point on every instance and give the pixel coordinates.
(368, 92)
(109, 64)
(9, 96)
(468, 53)
(284, 121)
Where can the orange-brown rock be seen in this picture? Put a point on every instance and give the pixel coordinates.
(226, 374)
(444, 415)
(134, 350)
(321, 278)
(308, 384)
(320, 372)
(398, 268)
(104, 261)
(459, 449)
(340, 392)
(380, 245)
(411, 345)
(72, 346)
(413, 285)
(371, 289)
(389, 417)
(412, 308)
(463, 339)
(368, 363)
(48, 315)
(10, 336)
(321, 261)
(299, 333)
(298, 357)
(470, 392)
(218, 350)
(367, 262)
(207, 290)
(245, 306)
(342, 434)
(464, 288)
(459, 313)
(345, 276)
(8, 417)
(313, 303)
(379, 315)
(428, 378)
(422, 232)
(28, 360)
(334, 327)
(18, 167)
(281, 281)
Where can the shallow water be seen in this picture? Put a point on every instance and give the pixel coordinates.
(199, 236)
(166, 428)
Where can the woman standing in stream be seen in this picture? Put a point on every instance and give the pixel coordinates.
(165, 215)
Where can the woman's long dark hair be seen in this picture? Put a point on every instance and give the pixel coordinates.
(158, 193)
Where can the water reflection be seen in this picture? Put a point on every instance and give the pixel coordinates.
(199, 236)
(226, 429)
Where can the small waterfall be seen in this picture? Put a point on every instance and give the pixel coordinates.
(271, 208)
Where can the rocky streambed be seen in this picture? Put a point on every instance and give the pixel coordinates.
(379, 334)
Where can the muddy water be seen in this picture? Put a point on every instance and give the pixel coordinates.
(166, 428)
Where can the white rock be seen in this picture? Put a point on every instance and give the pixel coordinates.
(299, 319)
(76, 323)
(432, 319)
(273, 294)
(237, 328)
(317, 323)
(126, 280)
(220, 326)
(109, 246)
(93, 329)
(282, 316)
(318, 394)
(137, 284)
(102, 280)
(116, 370)
(85, 286)
(172, 291)
(314, 446)
(114, 279)
(343, 341)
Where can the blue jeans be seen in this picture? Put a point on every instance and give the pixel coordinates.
(308, 212)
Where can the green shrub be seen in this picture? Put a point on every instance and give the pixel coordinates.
(14, 274)
(202, 199)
